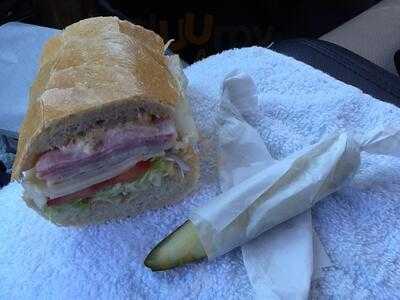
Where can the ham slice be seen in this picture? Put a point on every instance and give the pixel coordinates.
(102, 156)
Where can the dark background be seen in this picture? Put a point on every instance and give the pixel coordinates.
(201, 28)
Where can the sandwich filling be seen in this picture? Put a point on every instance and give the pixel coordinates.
(134, 154)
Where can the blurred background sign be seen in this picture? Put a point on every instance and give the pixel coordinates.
(200, 28)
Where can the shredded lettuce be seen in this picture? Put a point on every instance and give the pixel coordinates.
(78, 205)
(160, 168)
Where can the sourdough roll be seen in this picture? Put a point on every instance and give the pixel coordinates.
(108, 132)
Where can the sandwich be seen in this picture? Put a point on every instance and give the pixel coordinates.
(108, 133)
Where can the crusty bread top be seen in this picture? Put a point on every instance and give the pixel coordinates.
(94, 65)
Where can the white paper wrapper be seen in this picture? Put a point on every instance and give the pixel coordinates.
(276, 194)
(280, 262)
(235, 138)
(240, 147)
(382, 140)
(284, 189)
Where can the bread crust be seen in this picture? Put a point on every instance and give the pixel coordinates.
(93, 69)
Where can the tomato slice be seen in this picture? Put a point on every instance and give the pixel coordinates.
(132, 174)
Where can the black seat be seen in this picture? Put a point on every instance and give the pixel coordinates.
(345, 66)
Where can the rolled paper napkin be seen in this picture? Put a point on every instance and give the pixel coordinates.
(276, 194)
(286, 189)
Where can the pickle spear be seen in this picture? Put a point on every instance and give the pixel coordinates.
(179, 248)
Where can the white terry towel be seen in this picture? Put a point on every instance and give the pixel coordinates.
(359, 226)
